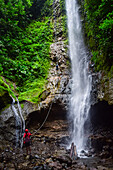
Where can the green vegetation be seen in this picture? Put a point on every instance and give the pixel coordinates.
(30, 57)
(4, 87)
(24, 46)
(41, 9)
(32, 90)
(63, 18)
(98, 16)
(26, 32)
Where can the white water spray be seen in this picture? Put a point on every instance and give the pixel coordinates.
(81, 79)
(23, 122)
(19, 123)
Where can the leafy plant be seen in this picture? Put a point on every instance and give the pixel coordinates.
(4, 87)
(24, 44)
(99, 28)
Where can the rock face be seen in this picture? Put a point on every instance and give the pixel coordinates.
(7, 124)
(59, 76)
(105, 90)
(57, 89)
(5, 99)
(102, 83)
(102, 88)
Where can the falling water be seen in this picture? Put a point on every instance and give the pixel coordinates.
(81, 78)
(23, 122)
(19, 123)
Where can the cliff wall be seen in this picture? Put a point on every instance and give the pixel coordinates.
(100, 65)
(58, 87)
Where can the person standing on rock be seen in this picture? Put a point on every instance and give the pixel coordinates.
(73, 152)
(27, 141)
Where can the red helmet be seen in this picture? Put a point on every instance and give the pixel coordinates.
(26, 130)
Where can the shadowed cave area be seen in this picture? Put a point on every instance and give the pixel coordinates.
(56, 122)
(101, 115)
(98, 128)
(57, 112)
(101, 127)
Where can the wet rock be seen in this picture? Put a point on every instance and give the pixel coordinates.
(1, 165)
(25, 164)
(98, 142)
(49, 160)
(102, 168)
(5, 99)
(92, 151)
(28, 157)
(89, 154)
(83, 152)
(37, 157)
(65, 159)
(105, 88)
(11, 166)
(38, 168)
(44, 94)
(83, 167)
(1, 157)
(55, 165)
(92, 168)
(105, 154)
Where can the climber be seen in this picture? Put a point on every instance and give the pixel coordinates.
(27, 141)
(73, 152)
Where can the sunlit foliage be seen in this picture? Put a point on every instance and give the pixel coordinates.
(24, 43)
(99, 29)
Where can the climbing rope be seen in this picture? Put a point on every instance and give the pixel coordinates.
(54, 17)
(46, 117)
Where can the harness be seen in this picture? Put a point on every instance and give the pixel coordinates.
(27, 138)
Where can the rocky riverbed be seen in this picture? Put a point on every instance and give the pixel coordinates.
(48, 152)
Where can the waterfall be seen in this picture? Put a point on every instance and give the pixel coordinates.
(23, 122)
(19, 123)
(81, 78)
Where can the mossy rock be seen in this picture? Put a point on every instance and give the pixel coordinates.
(44, 95)
(5, 99)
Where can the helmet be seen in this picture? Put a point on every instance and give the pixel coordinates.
(26, 130)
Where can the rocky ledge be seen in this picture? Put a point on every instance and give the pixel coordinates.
(57, 92)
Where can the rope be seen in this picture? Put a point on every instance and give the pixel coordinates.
(54, 14)
(46, 117)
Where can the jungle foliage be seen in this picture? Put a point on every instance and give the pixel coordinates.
(98, 16)
(24, 43)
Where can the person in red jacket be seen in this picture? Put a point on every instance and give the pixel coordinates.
(26, 139)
